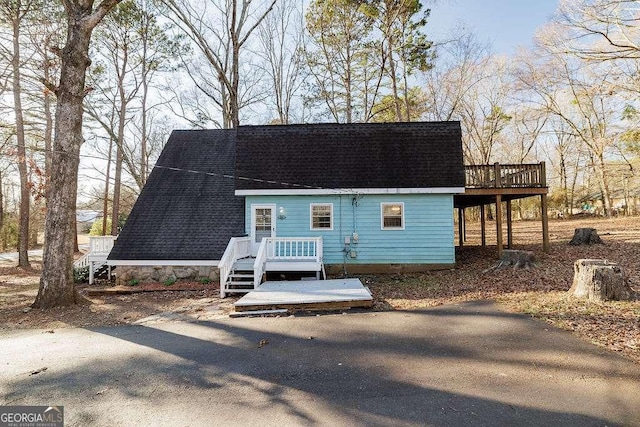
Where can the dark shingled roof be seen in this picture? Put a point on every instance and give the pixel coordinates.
(182, 215)
(377, 155)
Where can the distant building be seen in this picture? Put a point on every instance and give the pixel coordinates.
(85, 219)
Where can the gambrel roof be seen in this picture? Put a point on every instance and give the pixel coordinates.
(350, 156)
(187, 209)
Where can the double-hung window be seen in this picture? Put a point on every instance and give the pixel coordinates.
(321, 216)
(392, 216)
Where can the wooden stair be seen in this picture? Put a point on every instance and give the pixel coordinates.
(241, 278)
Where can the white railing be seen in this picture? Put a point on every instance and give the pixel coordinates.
(260, 263)
(82, 262)
(99, 249)
(238, 247)
(101, 245)
(293, 248)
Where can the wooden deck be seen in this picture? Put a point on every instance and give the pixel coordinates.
(307, 295)
(498, 183)
(509, 181)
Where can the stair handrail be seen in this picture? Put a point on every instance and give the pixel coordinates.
(82, 262)
(260, 263)
(238, 247)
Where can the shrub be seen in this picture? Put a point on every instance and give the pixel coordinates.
(81, 275)
(169, 282)
(96, 227)
(133, 282)
(204, 280)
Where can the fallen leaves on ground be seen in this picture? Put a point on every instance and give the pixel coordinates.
(540, 292)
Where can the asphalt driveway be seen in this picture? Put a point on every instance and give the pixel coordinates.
(467, 364)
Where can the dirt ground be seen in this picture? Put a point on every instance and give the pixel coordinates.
(540, 292)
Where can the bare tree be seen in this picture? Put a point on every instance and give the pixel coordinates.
(483, 112)
(132, 47)
(599, 29)
(45, 36)
(14, 13)
(405, 48)
(56, 282)
(281, 38)
(343, 58)
(458, 69)
(565, 154)
(578, 93)
(221, 31)
(525, 127)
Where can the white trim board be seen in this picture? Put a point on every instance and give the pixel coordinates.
(329, 191)
(162, 263)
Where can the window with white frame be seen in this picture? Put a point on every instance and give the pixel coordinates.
(392, 216)
(322, 216)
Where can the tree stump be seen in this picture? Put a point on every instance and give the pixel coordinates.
(599, 280)
(514, 258)
(585, 236)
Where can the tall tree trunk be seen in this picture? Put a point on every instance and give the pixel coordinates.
(405, 94)
(56, 282)
(601, 173)
(25, 192)
(347, 85)
(1, 205)
(144, 165)
(117, 184)
(394, 79)
(122, 117)
(48, 129)
(234, 97)
(105, 202)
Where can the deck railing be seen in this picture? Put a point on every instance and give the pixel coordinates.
(285, 249)
(101, 245)
(293, 248)
(506, 175)
(99, 249)
(238, 247)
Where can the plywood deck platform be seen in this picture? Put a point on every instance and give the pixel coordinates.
(307, 295)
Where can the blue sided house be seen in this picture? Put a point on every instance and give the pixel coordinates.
(244, 203)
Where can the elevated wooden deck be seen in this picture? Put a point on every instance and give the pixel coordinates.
(497, 183)
(510, 181)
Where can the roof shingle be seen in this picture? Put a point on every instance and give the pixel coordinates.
(189, 213)
(331, 156)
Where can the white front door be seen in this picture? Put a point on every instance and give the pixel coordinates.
(263, 225)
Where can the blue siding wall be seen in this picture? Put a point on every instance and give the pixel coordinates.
(427, 237)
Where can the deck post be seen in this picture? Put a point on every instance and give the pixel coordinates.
(543, 207)
(483, 226)
(499, 223)
(464, 225)
(509, 226)
(545, 224)
(460, 232)
(496, 172)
